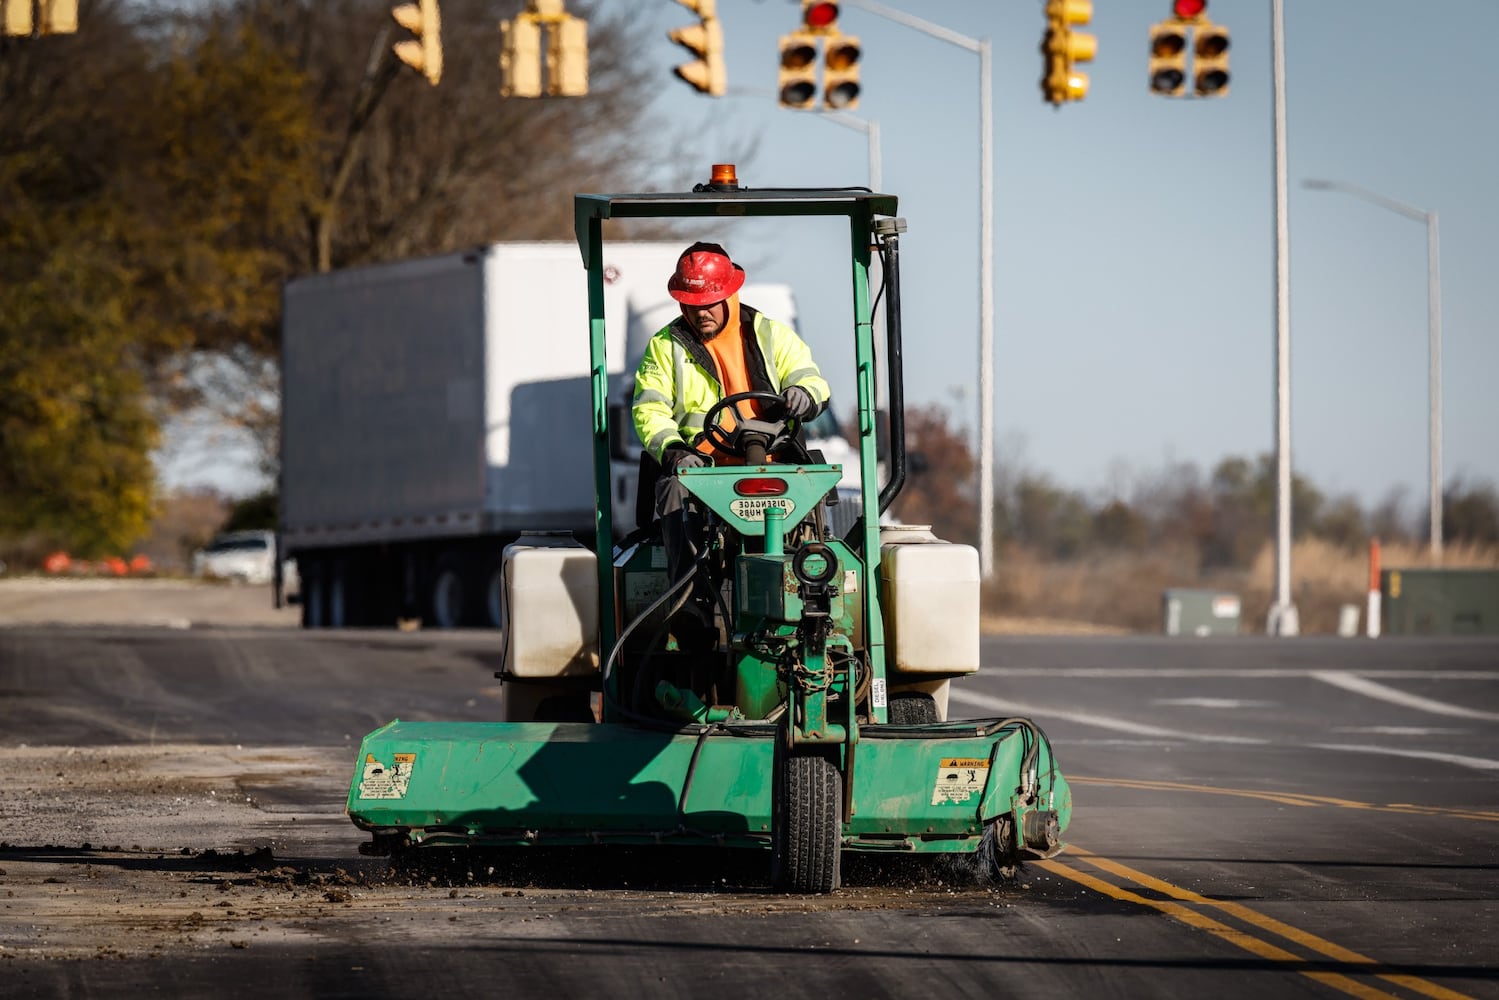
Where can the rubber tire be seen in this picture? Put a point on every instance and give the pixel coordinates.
(314, 594)
(806, 822)
(447, 596)
(913, 709)
(336, 589)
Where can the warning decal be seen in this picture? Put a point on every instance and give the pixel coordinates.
(381, 782)
(959, 779)
(753, 509)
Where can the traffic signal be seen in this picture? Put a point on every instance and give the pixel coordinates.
(567, 57)
(17, 17)
(1168, 59)
(820, 17)
(840, 73)
(57, 17)
(1188, 29)
(423, 53)
(1210, 61)
(798, 77)
(707, 73)
(1063, 48)
(520, 57)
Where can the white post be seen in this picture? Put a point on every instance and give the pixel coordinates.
(871, 130)
(986, 314)
(1434, 383)
(1283, 618)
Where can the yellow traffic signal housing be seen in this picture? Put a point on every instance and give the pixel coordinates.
(707, 73)
(520, 57)
(1210, 61)
(1168, 59)
(567, 57)
(424, 53)
(840, 77)
(57, 17)
(17, 17)
(798, 77)
(1063, 48)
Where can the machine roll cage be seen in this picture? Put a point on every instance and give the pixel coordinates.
(872, 224)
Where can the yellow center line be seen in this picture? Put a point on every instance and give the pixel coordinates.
(1290, 798)
(1241, 912)
(1199, 921)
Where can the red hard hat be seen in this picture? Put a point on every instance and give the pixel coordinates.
(705, 275)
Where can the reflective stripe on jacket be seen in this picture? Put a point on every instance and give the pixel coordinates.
(677, 382)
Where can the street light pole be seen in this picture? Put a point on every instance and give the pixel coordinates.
(1433, 340)
(1283, 619)
(986, 260)
(871, 130)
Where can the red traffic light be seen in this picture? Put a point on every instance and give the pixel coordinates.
(818, 16)
(1189, 9)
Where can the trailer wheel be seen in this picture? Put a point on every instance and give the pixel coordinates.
(314, 599)
(448, 600)
(336, 590)
(806, 822)
(913, 709)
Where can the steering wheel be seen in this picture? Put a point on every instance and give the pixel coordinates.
(748, 432)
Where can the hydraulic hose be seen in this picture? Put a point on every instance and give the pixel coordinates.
(889, 243)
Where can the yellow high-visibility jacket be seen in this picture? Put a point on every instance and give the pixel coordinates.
(677, 382)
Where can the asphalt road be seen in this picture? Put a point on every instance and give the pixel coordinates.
(1253, 818)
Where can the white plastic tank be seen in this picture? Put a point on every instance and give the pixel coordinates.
(552, 607)
(930, 592)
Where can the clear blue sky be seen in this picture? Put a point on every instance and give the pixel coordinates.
(1134, 279)
(1134, 284)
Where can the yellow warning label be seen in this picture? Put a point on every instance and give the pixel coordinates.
(959, 779)
(381, 782)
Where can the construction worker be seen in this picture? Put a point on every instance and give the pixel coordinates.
(718, 347)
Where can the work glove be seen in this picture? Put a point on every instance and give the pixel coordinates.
(679, 457)
(799, 404)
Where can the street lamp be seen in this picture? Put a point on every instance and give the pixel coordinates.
(1433, 336)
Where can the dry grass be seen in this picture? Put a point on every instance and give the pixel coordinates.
(1325, 577)
(1122, 590)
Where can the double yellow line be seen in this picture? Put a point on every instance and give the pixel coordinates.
(1187, 907)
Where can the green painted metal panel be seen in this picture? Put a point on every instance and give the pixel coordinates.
(806, 486)
(1440, 601)
(1199, 612)
(517, 783)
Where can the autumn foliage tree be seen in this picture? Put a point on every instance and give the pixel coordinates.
(163, 174)
(939, 488)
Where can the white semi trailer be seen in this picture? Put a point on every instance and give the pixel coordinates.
(435, 409)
